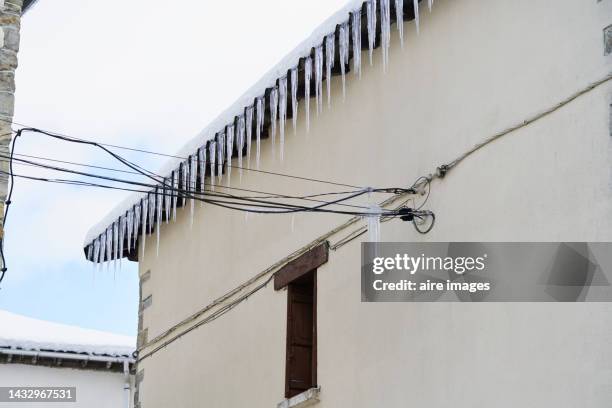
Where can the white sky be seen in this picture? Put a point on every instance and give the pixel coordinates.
(141, 73)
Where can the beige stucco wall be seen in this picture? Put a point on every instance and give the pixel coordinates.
(94, 389)
(477, 68)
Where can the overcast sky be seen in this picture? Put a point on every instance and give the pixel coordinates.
(138, 73)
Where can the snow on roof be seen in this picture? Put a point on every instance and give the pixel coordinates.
(26, 333)
(105, 241)
(236, 109)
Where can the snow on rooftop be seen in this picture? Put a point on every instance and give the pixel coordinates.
(236, 109)
(26, 333)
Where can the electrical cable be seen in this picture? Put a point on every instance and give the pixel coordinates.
(60, 135)
(160, 180)
(25, 162)
(7, 204)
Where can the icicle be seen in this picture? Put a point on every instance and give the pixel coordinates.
(430, 4)
(273, 116)
(158, 200)
(202, 161)
(109, 246)
(356, 23)
(307, 76)
(151, 213)
(282, 113)
(167, 198)
(416, 15)
(174, 194)
(193, 173)
(385, 31)
(371, 17)
(220, 155)
(399, 16)
(96, 253)
(130, 229)
(319, 77)
(90, 254)
(330, 56)
(122, 225)
(229, 151)
(137, 217)
(144, 211)
(184, 172)
(294, 101)
(343, 42)
(240, 140)
(259, 126)
(374, 223)
(249, 133)
(102, 257)
(152, 201)
(115, 244)
(212, 152)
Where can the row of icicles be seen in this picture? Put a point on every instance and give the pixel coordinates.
(109, 246)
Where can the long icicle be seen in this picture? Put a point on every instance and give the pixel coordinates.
(152, 210)
(102, 249)
(330, 56)
(109, 246)
(356, 26)
(273, 116)
(212, 152)
(259, 127)
(430, 4)
(143, 212)
(343, 42)
(249, 132)
(220, 155)
(416, 15)
(193, 173)
(137, 218)
(158, 205)
(202, 163)
(294, 101)
(115, 244)
(130, 229)
(373, 219)
(184, 181)
(96, 253)
(122, 225)
(371, 17)
(175, 191)
(282, 114)
(229, 151)
(319, 77)
(307, 76)
(167, 198)
(385, 31)
(240, 140)
(399, 16)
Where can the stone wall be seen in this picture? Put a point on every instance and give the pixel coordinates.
(10, 18)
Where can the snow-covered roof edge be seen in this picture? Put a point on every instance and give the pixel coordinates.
(25, 333)
(236, 109)
(101, 241)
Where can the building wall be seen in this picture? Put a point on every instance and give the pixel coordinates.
(10, 23)
(476, 68)
(94, 389)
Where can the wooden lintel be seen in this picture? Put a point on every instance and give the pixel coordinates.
(305, 263)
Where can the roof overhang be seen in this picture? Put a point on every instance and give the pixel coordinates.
(107, 240)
